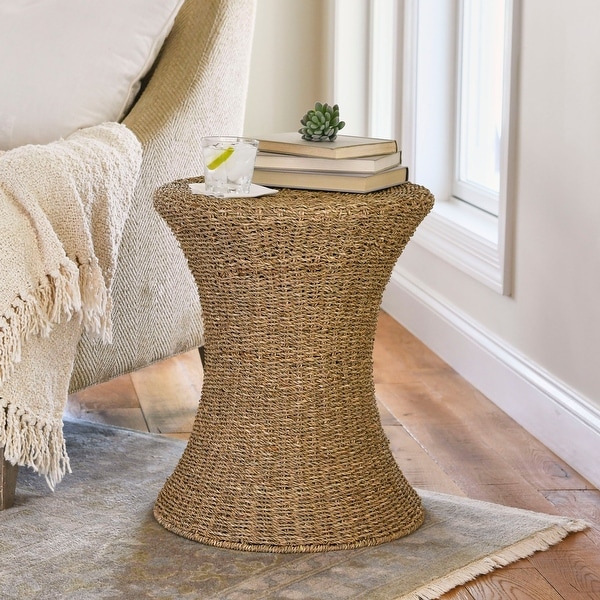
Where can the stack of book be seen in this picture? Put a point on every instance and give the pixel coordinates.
(348, 164)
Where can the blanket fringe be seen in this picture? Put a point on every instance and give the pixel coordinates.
(537, 542)
(29, 441)
(56, 299)
(96, 302)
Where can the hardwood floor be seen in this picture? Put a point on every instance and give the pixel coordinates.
(446, 437)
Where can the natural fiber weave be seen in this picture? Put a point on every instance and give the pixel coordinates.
(287, 453)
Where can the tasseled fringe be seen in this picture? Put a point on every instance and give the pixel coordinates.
(56, 299)
(96, 302)
(29, 441)
(61, 299)
(68, 292)
(542, 540)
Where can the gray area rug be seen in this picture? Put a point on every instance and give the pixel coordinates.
(95, 537)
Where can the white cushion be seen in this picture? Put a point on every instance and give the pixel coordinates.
(68, 64)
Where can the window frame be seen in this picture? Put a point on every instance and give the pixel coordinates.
(470, 239)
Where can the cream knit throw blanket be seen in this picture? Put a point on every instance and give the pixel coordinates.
(62, 210)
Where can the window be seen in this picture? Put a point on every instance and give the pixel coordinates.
(480, 80)
(452, 66)
(459, 74)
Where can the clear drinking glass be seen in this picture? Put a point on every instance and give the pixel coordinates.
(228, 164)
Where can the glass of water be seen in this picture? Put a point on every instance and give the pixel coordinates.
(228, 164)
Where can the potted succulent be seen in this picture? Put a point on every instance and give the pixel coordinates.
(321, 123)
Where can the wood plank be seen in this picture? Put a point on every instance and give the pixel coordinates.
(386, 417)
(416, 464)
(580, 504)
(116, 393)
(459, 448)
(114, 402)
(169, 392)
(510, 583)
(459, 593)
(398, 354)
(541, 467)
(571, 567)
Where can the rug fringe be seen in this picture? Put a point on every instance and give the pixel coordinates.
(57, 298)
(32, 442)
(539, 541)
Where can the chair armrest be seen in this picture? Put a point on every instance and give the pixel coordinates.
(197, 87)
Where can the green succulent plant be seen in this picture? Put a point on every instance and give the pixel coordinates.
(321, 123)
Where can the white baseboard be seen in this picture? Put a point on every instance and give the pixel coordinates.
(563, 420)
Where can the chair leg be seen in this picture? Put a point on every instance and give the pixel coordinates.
(8, 482)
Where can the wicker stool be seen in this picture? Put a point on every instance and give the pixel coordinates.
(287, 452)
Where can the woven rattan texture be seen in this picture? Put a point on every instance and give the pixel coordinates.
(287, 453)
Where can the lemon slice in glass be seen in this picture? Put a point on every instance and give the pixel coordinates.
(220, 159)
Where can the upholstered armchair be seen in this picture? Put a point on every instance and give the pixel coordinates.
(197, 86)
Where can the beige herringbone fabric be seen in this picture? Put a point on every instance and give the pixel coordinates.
(287, 453)
(198, 87)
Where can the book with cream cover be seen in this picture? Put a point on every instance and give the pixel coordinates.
(331, 181)
(344, 146)
(290, 162)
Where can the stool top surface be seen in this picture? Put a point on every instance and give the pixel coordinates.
(406, 193)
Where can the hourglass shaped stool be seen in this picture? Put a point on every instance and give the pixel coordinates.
(287, 452)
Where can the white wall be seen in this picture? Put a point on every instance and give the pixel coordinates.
(289, 64)
(537, 352)
(553, 315)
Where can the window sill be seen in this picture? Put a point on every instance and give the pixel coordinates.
(466, 238)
